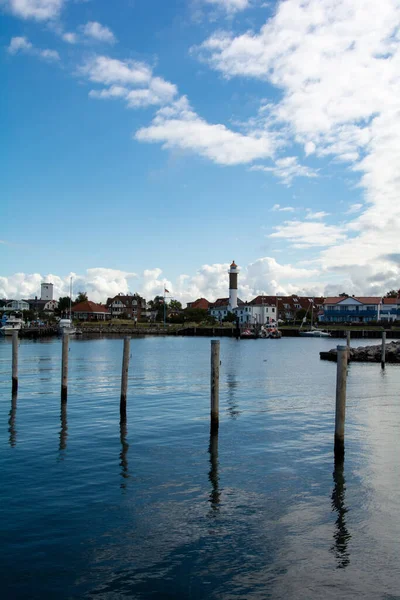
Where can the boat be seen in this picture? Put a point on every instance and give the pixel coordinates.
(66, 326)
(271, 333)
(313, 332)
(11, 324)
(247, 334)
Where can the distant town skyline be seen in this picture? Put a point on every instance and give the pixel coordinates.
(153, 142)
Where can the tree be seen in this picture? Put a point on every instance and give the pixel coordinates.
(391, 294)
(301, 314)
(175, 304)
(28, 315)
(195, 314)
(81, 297)
(63, 304)
(230, 318)
(343, 295)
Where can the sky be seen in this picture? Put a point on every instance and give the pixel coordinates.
(147, 143)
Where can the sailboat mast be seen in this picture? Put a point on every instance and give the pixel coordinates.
(70, 297)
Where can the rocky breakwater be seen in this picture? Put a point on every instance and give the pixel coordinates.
(367, 353)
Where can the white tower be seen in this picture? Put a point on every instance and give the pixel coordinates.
(233, 284)
(46, 291)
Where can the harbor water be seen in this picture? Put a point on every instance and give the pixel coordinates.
(156, 508)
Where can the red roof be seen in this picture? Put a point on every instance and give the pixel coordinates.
(89, 307)
(391, 300)
(199, 303)
(362, 299)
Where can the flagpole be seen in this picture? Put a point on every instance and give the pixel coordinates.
(164, 304)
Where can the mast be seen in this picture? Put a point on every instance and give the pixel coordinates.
(70, 297)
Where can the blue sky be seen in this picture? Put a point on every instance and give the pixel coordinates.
(147, 141)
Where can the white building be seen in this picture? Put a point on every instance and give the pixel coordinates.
(46, 291)
(16, 305)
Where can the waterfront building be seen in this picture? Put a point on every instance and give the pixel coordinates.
(390, 309)
(200, 303)
(131, 305)
(12, 305)
(351, 309)
(90, 311)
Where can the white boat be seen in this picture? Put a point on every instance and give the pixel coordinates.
(313, 332)
(11, 324)
(66, 326)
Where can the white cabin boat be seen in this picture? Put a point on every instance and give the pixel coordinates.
(315, 333)
(11, 324)
(66, 326)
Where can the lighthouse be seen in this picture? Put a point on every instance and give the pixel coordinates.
(233, 284)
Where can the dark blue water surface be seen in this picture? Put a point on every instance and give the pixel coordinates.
(155, 508)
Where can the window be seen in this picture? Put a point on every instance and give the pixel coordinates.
(273, 309)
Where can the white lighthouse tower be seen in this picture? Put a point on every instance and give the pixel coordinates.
(233, 285)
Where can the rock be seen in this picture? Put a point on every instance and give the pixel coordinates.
(368, 353)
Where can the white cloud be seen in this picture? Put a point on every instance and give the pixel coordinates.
(39, 10)
(306, 235)
(337, 64)
(178, 126)
(96, 31)
(278, 207)
(354, 208)
(316, 215)
(21, 45)
(70, 37)
(129, 80)
(106, 70)
(287, 169)
(264, 275)
(231, 6)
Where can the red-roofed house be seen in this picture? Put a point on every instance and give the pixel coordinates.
(201, 303)
(349, 309)
(90, 311)
(390, 309)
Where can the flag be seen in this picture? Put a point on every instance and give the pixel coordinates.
(166, 291)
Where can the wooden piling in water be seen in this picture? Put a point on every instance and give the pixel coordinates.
(383, 353)
(348, 336)
(14, 362)
(340, 416)
(64, 367)
(215, 362)
(124, 377)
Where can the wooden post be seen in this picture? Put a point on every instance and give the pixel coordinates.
(14, 362)
(341, 379)
(214, 385)
(124, 377)
(348, 339)
(383, 353)
(64, 367)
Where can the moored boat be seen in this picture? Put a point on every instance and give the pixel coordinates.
(11, 324)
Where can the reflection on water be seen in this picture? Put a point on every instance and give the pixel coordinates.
(123, 432)
(232, 384)
(213, 472)
(11, 421)
(248, 513)
(64, 429)
(341, 535)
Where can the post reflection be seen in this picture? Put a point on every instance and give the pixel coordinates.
(11, 421)
(341, 535)
(232, 384)
(213, 476)
(64, 428)
(124, 452)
